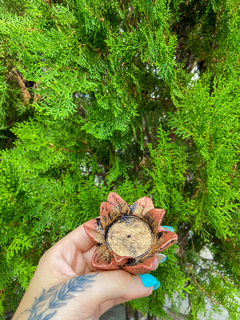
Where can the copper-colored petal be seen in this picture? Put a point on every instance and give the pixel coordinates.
(163, 241)
(154, 218)
(121, 205)
(141, 207)
(140, 268)
(108, 214)
(94, 230)
(121, 261)
(102, 259)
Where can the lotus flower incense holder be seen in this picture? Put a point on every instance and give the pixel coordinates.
(128, 237)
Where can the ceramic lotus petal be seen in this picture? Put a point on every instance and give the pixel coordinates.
(128, 237)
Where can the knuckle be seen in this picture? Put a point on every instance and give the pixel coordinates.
(124, 278)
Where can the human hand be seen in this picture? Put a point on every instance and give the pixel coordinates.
(65, 285)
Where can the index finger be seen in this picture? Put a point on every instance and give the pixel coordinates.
(79, 237)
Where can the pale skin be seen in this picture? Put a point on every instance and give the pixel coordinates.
(59, 289)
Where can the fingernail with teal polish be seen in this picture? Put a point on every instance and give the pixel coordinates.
(148, 280)
(161, 258)
(156, 286)
(167, 228)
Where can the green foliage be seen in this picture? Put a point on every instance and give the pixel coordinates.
(14, 94)
(140, 97)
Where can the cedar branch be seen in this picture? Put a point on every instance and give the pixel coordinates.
(147, 20)
(235, 9)
(219, 275)
(24, 90)
(100, 19)
(68, 150)
(204, 292)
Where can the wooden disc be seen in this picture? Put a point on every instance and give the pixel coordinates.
(129, 236)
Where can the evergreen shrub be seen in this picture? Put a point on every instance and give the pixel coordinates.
(139, 97)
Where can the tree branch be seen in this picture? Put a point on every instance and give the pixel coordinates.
(100, 19)
(204, 292)
(147, 20)
(235, 9)
(49, 3)
(68, 150)
(219, 275)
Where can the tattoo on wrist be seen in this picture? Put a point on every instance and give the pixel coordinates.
(56, 297)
